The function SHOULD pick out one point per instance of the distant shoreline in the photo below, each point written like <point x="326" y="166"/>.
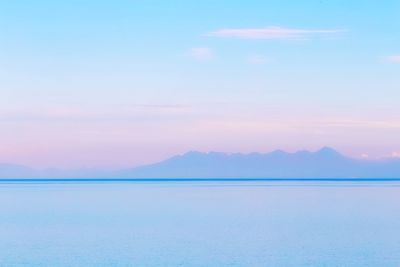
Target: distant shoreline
<point x="165" y="180"/>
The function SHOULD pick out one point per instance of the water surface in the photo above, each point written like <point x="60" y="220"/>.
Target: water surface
<point x="200" y="224"/>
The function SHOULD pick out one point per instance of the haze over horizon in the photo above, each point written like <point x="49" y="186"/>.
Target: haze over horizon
<point x="323" y="151"/>
<point x="108" y="84"/>
<point x="325" y="163"/>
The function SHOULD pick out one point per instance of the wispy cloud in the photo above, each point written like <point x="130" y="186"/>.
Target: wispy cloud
<point x="201" y="53"/>
<point x="133" y="112"/>
<point x="272" y="33"/>
<point x="162" y="106"/>
<point x="393" y="58"/>
<point x="395" y="154"/>
<point x="256" y="59"/>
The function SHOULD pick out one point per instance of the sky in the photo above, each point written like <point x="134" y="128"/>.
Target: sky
<point x="112" y="84"/>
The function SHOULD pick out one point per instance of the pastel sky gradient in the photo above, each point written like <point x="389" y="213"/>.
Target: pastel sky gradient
<point x="121" y="83"/>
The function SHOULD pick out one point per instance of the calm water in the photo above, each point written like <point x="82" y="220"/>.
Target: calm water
<point x="200" y="224"/>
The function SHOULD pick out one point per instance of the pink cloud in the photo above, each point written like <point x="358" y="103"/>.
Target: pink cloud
<point x="201" y="53"/>
<point x="137" y="111"/>
<point x="394" y="58"/>
<point x="271" y="33"/>
<point x="395" y="154"/>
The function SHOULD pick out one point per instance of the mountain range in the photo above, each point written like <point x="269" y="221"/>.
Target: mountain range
<point x="324" y="163"/>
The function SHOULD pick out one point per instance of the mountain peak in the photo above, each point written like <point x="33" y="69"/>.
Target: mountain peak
<point x="328" y="151"/>
<point x="278" y="152"/>
<point x="193" y="153"/>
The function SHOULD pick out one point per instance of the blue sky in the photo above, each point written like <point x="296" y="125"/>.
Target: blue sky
<point x="119" y="83"/>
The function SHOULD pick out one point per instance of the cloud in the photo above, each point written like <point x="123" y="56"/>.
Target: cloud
<point x="256" y="59"/>
<point x="138" y="111"/>
<point x="393" y="58"/>
<point x="395" y="154"/>
<point x="162" y="106"/>
<point x="271" y="33"/>
<point x="201" y="53"/>
<point x="358" y="123"/>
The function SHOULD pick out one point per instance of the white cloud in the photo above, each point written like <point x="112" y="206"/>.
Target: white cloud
<point x="271" y="33"/>
<point x="201" y="53"/>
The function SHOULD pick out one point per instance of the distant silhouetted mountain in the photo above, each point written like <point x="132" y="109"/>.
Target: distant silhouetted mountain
<point x="324" y="163"/>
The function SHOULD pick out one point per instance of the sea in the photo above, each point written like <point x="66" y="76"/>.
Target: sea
<point x="200" y="223"/>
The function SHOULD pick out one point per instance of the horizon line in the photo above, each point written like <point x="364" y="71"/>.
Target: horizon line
<point x="166" y="180"/>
